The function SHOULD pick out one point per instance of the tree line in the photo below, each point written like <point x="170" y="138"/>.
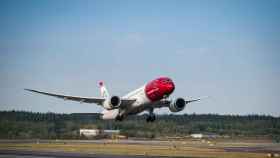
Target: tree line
<point x="29" y="125"/>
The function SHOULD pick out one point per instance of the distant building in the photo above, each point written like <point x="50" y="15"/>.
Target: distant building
<point x="97" y="132"/>
<point x="89" y="132"/>
<point x="111" y="132"/>
<point x="205" y="135"/>
<point x="197" y="136"/>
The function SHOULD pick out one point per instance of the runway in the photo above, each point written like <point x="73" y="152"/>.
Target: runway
<point x="44" y="154"/>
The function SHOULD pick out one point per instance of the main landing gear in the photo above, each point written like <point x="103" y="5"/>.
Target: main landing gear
<point x="119" y="118"/>
<point x="151" y="117"/>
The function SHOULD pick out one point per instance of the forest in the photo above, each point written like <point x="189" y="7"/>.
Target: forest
<point x="34" y="125"/>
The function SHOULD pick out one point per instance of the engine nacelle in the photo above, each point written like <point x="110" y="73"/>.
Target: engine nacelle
<point x="177" y="105"/>
<point x="113" y="102"/>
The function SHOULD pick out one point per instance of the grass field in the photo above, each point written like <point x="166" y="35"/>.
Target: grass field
<point x="189" y="148"/>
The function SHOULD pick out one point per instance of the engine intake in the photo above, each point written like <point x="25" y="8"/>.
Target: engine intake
<point x="113" y="102"/>
<point x="177" y="105"/>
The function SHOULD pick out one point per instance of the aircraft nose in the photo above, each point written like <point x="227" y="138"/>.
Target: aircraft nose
<point x="170" y="87"/>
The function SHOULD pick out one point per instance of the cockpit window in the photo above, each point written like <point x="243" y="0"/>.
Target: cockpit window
<point x="166" y="81"/>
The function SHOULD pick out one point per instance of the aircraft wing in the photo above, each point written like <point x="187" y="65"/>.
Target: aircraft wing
<point x="98" y="101"/>
<point x="167" y="102"/>
<point x="193" y="100"/>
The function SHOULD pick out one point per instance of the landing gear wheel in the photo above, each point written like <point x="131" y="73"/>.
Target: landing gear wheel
<point x="119" y="118"/>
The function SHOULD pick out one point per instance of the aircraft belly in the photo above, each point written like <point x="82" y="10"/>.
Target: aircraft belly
<point x="139" y="109"/>
<point x="140" y="104"/>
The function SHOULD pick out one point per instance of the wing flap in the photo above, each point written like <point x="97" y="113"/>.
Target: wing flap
<point x="99" y="101"/>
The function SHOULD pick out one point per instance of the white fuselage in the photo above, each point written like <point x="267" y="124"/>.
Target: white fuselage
<point x="141" y="100"/>
<point x="140" y="105"/>
<point x="144" y="97"/>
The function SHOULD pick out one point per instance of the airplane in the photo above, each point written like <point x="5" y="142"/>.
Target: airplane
<point x="154" y="94"/>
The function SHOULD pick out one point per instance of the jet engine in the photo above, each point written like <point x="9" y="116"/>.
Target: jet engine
<point x="113" y="102"/>
<point x="177" y="105"/>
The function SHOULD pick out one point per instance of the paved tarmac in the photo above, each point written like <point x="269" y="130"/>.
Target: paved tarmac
<point x="101" y="141"/>
<point x="43" y="154"/>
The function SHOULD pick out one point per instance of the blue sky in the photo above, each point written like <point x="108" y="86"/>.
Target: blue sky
<point x="227" y="50"/>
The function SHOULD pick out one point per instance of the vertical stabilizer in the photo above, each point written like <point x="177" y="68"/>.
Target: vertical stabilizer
<point x="103" y="90"/>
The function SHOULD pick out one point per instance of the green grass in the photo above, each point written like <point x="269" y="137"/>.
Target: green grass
<point x="174" y="149"/>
